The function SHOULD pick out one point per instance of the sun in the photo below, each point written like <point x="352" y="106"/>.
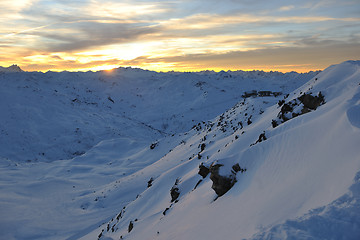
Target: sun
<point x="108" y="68"/>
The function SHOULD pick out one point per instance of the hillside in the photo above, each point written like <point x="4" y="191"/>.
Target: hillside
<point x="134" y="154"/>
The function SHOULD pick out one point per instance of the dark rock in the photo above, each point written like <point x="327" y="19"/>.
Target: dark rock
<point x="293" y="115"/>
<point x="111" y="100"/>
<point x="312" y="102"/>
<point x="131" y="226"/>
<point x="202" y="148"/>
<point x="236" y="167"/>
<point x="249" y="120"/>
<point x="100" y="235"/>
<point x="174" y="192"/>
<point x="262" y="137"/>
<point x="153" y="145"/>
<point x="150" y="182"/>
<point x="305" y="110"/>
<point x="203" y="171"/>
<point x="221" y="184"/>
<point x="286" y="108"/>
<point x="274" y="123"/>
<point x="164" y="212"/>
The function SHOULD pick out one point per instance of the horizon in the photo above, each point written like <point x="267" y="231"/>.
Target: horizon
<point x="169" y="71"/>
<point x="181" y="36"/>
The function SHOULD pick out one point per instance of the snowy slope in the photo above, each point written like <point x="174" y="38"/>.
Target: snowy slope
<point x="305" y="164"/>
<point x="123" y="141"/>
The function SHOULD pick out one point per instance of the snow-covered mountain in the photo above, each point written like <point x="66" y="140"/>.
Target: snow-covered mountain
<point x="133" y="154"/>
<point x="12" y="68"/>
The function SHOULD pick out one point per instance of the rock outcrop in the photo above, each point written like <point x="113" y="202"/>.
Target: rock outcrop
<point x="221" y="184"/>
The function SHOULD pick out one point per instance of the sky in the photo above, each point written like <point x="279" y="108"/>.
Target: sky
<point x="188" y="35"/>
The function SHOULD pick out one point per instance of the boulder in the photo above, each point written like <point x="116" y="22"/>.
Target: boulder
<point x="221" y="184"/>
<point x="203" y="171"/>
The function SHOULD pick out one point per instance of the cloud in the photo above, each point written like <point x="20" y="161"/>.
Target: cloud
<point x="69" y="65"/>
<point x="12" y="9"/>
<point x="174" y="33"/>
<point x="124" y="10"/>
<point x="76" y="36"/>
<point x="286" y="8"/>
<point x="279" y="58"/>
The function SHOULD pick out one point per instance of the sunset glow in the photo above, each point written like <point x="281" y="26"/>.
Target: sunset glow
<point x="58" y="35"/>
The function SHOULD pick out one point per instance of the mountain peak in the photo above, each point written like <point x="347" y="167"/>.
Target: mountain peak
<point x="12" y="68"/>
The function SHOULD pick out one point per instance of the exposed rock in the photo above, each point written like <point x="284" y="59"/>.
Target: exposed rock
<point x="305" y="110"/>
<point x="203" y="171"/>
<point x="164" y="212"/>
<point x="286" y="108"/>
<point x="236" y="167"/>
<point x="202" y="148"/>
<point x="150" y="182"/>
<point x="221" y="184"/>
<point x="111" y="100"/>
<point x="262" y="137"/>
<point x="312" y="102"/>
<point x="308" y="101"/>
<point x="100" y="235"/>
<point x="131" y="226"/>
<point x="153" y="145"/>
<point x="249" y="120"/>
<point x="175" y="192"/>
<point x="274" y="123"/>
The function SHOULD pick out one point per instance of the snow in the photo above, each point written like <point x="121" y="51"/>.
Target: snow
<point x="337" y="220"/>
<point x="12" y="68"/>
<point x="78" y="149"/>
